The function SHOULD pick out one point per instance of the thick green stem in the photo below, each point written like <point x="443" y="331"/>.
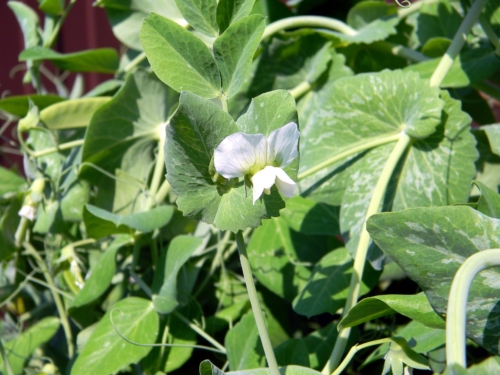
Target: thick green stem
<point x="354" y="350"/>
<point x="363" y="245"/>
<point x="257" y="311"/>
<point x="308" y="21"/>
<point x="457" y="43"/>
<point x="490" y="33"/>
<point x="64" y="146"/>
<point x="353" y="150"/>
<point x="162" y="191"/>
<point x="49" y="43"/>
<point x="136" y="61"/>
<point x="158" y="171"/>
<point x="57" y="299"/>
<point x="300" y="89"/>
<point x="457" y="303"/>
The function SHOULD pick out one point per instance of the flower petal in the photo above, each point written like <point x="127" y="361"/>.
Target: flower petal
<point x="284" y="183"/>
<point x="263" y="179"/>
<point x="240" y="154"/>
<point x="282" y="145"/>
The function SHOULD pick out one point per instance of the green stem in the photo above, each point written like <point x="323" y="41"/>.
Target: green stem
<point x="162" y="192"/>
<point x="457" y="43"/>
<point x="64" y="146"/>
<point x="57" y="299"/>
<point x="136" y="61"/>
<point x="354" y="350"/>
<point x="20" y="287"/>
<point x="490" y="33"/>
<point x="223" y="101"/>
<point x="5" y="358"/>
<point x="201" y="332"/>
<point x="300" y="89"/>
<point x="363" y="245"/>
<point x="353" y="150"/>
<point x="457" y="303"/>
<point x="158" y="171"/>
<point x="49" y="43"/>
<point x="308" y="21"/>
<point x="405" y="52"/>
<point x="257" y="311"/>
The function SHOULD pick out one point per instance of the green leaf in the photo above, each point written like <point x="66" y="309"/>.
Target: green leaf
<point x="320" y="345"/>
<point x="399" y="354"/>
<point x="10" y="182"/>
<point x="200" y="14"/>
<point x="328" y="285"/>
<point x="309" y="217"/>
<point x="127" y="16"/>
<point x="179" y="58"/>
<point x="292" y="352"/>
<point x="439" y="19"/>
<point x="282" y="259"/>
<point x="52" y="7"/>
<point x="372" y="32"/>
<point x="489" y="201"/>
<point x="105" y="352"/>
<point x="20" y="349"/>
<point x="192" y="136"/>
<point x="123" y="133"/>
<point x="8" y="226"/>
<point x="99" y="60"/>
<point x="493" y="134"/>
<point x="421" y="338"/>
<point x="366" y="12"/>
<point x="489" y="366"/>
<point x="471" y="66"/>
<point x="101" y="275"/>
<point x="207" y="368"/>
<point x="147" y="221"/>
<point x="74" y="113"/>
<point x="415" y="307"/>
<point x="436" y="47"/>
<point x="247" y="353"/>
<point x="165" y="279"/>
<point x="230" y="11"/>
<point x="19" y="105"/>
<point x="429" y="244"/>
<point x="28" y="21"/>
<point x="234" y="51"/>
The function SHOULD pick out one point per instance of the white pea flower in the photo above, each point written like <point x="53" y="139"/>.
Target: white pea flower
<point x="262" y="158"/>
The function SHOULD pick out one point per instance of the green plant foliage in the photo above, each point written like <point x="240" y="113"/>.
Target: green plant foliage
<point x="443" y="237"/>
<point x="105" y="352"/>
<point x="102" y="60"/>
<point x="201" y="15"/>
<point x="19" y="105"/>
<point x="71" y="113"/>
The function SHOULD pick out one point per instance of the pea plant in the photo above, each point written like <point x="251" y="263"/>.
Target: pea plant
<point x="258" y="190"/>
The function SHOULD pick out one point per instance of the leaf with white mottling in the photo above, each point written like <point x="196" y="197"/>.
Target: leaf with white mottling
<point x="430" y="244"/>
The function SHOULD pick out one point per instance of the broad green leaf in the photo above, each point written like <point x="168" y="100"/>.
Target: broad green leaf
<point x="123" y="133"/>
<point x="105" y="352"/>
<point x="366" y="12"/>
<point x="146" y="221"/>
<point x="234" y="51"/>
<point x="287" y="370"/>
<point x="181" y="248"/>
<point x="328" y="285"/>
<point x="244" y="353"/>
<point x="489" y="366"/>
<point x="492" y="13"/>
<point x="415" y="307"/>
<point x="100" y="60"/>
<point x="20" y="349"/>
<point x="28" y="21"/>
<point x="9" y="222"/>
<point x="230" y="11"/>
<point x="282" y="259"/>
<point x="73" y="200"/>
<point x="101" y="275"/>
<point x="10" y="182"/>
<point x="208" y="368"/>
<point x="52" y="7"/>
<point x="436" y="47"/>
<point x="201" y="15"/>
<point x="192" y="136"/>
<point x="292" y="352"/>
<point x="126" y="17"/>
<point x="471" y="66"/>
<point x="320" y="345"/>
<point x="369" y="33"/>
<point x="74" y="113"/>
<point x="421" y="338"/>
<point x="309" y="217"/>
<point x="223" y="318"/>
<point x="493" y="134"/>
<point x="179" y="58"/>
<point x="19" y="105"/>
<point x="489" y="201"/>
<point x="399" y="355"/>
<point x="437" y="19"/>
<point x="429" y="244"/>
